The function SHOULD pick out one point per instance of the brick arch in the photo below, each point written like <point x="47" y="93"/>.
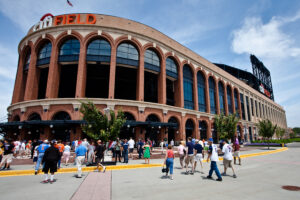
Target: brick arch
<point x="175" y="58"/>
<point x="41" y="41"/>
<point x="33" y="112"/>
<point x="27" y="48"/>
<point x="198" y="70"/>
<point x="57" y="111"/>
<point x="176" y="117"/>
<point x="185" y="62"/>
<point x="155" y="49"/>
<point x="158" y="116"/>
<point x="191" y="118"/>
<point x="94" y="35"/>
<point x="133" y="41"/>
<point x="65" y="36"/>
<point x="15" y="117"/>
<point x="134" y="114"/>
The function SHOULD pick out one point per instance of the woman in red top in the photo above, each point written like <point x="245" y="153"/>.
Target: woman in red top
<point x="169" y="161"/>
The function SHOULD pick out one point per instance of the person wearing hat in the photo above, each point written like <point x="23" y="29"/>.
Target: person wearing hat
<point x="198" y="152"/>
<point x="41" y="150"/>
<point x="214" y="158"/>
<point x="50" y="159"/>
<point x="80" y="152"/>
<point x="227" y="158"/>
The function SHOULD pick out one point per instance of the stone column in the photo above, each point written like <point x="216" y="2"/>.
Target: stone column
<point x="81" y="73"/>
<point x="195" y="91"/>
<point x="32" y="83"/>
<point x="162" y="85"/>
<point x="112" y="72"/>
<point x="53" y="75"/>
<point x="140" y="79"/>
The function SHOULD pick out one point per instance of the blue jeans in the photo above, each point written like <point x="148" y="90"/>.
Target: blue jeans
<point x="38" y="163"/>
<point x="169" y="164"/>
<point x="140" y="152"/>
<point x="214" y="167"/>
<point x="125" y="155"/>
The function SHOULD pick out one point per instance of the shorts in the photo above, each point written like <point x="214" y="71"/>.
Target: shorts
<point x="227" y="163"/>
<point x="7" y="159"/>
<point x="198" y="157"/>
<point x="99" y="159"/>
<point x="189" y="159"/>
<point x="181" y="157"/>
<point x="50" y="165"/>
<point x="131" y="150"/>
<point x="35" y="159"/>
<point x="236" y="154"/>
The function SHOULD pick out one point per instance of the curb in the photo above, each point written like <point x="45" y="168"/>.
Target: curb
<point x="119" y="167"/>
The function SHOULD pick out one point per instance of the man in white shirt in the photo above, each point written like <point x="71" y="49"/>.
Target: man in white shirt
<point x="172" y="143"/>
<point x="85" y="143"/>
<point x="214" y="158"/>
<point x="227" y="158"/>
<point x="131" y="147"/>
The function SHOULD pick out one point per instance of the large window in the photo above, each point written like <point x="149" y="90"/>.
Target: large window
<point x="256" y="109"/>
<point x="127" y="54"/>
<point x="152" y="61"/>
<point x="44" y="54"/>
<point x="188" y="87"/>
<point x="171" y="68"/>
<point x="212" y="95"/>
<point x="221" y="98"/>
<point x="242" y="105"/>
<point x="201" y="92"/>
<point x="252" y="109"/>
<point x="236" y="103"/>
<point x="69" y="51"/>
<point x="229" y="100"/>
<point x="99" y="50"/>
<point x="248" y="108"/>
<point x="260" y="111"/>
<point x="27" y="61"/>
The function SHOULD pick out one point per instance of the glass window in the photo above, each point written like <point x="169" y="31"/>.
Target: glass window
<point x="221" y="98"/>
<point x="256" y="109"/>
<point x="242" y="105"/>
<point x="248" y="108"/>
<point x="70" y="47"/>
<point x="212" y="94"/>
<point x="252" y="109"/>
<point x="201" y="92"/>
<point x="229" y="100"/>
<point x="99" y="47"/>
<point x="236" y="103"/>
<point x="171" y="68"/>
<point x="45" y="51"/>
<point x="127" y="51"/>
<point x="152" y="58"/>
<point x="27" y="60"/>
<point x="188" y="87"/>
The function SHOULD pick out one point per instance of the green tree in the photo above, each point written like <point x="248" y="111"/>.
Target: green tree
<point x="220" y="126"/>
<point x="226" y="125"/>
<point x="296" y="130"/>
<point x="100" y="126"/>
<point x="279" y="132"/>
<point x="266" y="129"/>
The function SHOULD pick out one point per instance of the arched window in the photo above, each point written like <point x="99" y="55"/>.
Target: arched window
<point x="242" y="105"/>
<point x="203" y="129"/>
<point x="171" y="68"/>
<point x="189" y="128"/>
<point x="229" y="100"/>
<point x="27" y="61"/>
<point x="127" y="54"/>
<point x="98" y="50"/>
<point x="201" y="92"/>
<point x="212" y="98"/>
<point x="129" y="116"/>
<point x="152" y="61"/>
<point x="62" y="115"/>
<point x="188" y="87"/>
<point x="34" y="116"/>
<point x="44" y="54"/>
<point x="152" y="118"/>
<point x="221" y="98"/>
<point x="69" y="50"/>
<point x="236" y="103"/>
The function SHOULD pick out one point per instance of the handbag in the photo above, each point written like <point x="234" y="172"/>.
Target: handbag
<point x="164" y="170"/>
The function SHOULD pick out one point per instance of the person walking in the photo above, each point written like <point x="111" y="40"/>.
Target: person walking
<point x="169" y="161"/>
<point x="131" y="144"/>
<point x="67" y="153"/>
<point x="50" y="160"/>
<point x="99" y="153"/>
<point x="7" y="154"/>
<point x="125" y="151"/>
<point x="199" y="154"/>
<point x="190" y="156"/>
<point x="118" y="150"/>
<point x="41" y="150"/>
<point x="236" y="152"/>
<point x="214" y="158"/>
<point x="35" y="153"/>
<point x="34" y="144"/>
<point x="91" y="153"/>
<point x="80" y="152"/>
<point x="161" y="144"/>
<point x="140" y="148"/>
<point x="60" y="148"/>
<point x="181" y="153"/>
<point x="147" y="152"/>
<point x="227" y="158"/>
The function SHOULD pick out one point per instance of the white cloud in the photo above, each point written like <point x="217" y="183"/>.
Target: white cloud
<point x="8" y="62"/>
<point x="265" y="40"/>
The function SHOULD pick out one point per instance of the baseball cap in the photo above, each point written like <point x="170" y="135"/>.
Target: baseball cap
<point x="210" y="139"/>
<point x="46" y="141"/>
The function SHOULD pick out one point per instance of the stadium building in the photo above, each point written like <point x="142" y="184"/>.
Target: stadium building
<point x="165" y="89"/>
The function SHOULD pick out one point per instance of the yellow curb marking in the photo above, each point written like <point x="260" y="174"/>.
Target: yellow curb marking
<point x="120" y="167"/>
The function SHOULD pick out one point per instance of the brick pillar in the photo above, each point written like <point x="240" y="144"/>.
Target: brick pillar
<point x="217" y="97"/>
<point x="232" y="100"/>
<point x="239" y="102"/>
<point x="54" y="74"/>
<point x="225" y="101"/>
<point x="32" y="79"/>
<point x="162" y="85"/>
<point x="207" y="96"/>
<point x="208" y="132"/>
<point x="18" y="88"/>
<point x="182" y="129"/>
<point x="197" y="136"/>
<point x="195" y="90"/>
<point x="81" y="73"/>
<point x="112" y="72"/>
<point x="180" y="97"/>
<point x="140" y="79"/>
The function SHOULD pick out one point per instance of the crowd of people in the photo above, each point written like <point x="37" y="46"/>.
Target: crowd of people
<point x="50" y="154"/>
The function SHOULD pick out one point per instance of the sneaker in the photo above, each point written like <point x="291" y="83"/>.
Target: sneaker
<point x="219" y="179"/>
<point x="192" y="173"/>
<point x="104" y="169"/>
<point x="234" y="176"/>
<point x="171" y="178"/>
<point x="78" y="176"/>
<point x="45" y="181"/>
<point x="223" y="174"/>
<point x="209" y="177"/>
<point x="51" y="181"/>
<point x="187" y="173"/>
<point x="35" y="173"/>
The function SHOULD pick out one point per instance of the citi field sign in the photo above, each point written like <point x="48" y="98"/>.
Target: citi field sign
<point x="48" y="20"/>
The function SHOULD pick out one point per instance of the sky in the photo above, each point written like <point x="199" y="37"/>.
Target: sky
<point x="222" y="31"/>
